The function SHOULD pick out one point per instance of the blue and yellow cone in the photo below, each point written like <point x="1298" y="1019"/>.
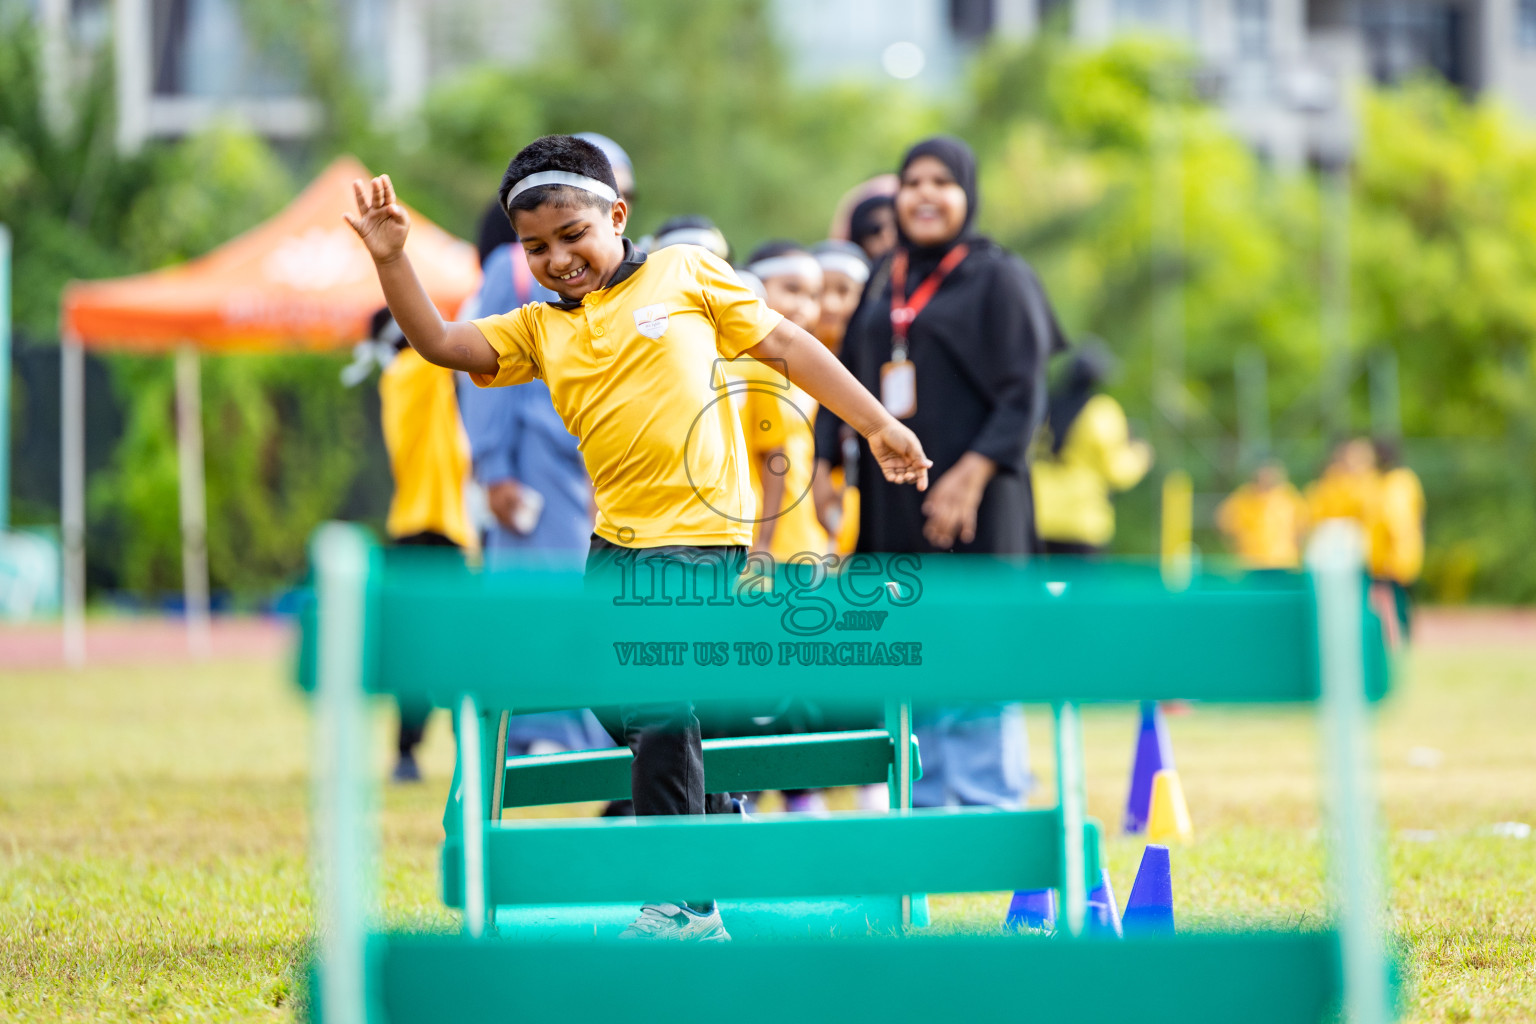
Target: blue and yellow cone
<point x="1154" y="753"/>
<point x="1149" y="908"/>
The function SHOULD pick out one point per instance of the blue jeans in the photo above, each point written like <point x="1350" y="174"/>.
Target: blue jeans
<point x="973" y="755"/>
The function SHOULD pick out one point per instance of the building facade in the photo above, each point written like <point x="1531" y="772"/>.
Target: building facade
<point x="1281" y="68"/>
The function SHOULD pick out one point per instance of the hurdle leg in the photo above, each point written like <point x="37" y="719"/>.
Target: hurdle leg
<point x="493" y="748"/>
<point x="472" y="815"/>
<point x="498" y="766"/>
<point x="898" y="722"/>
<point x="343" y="829"/>
<point x="1071" y="798"/>
<point x="1335" y="559"/>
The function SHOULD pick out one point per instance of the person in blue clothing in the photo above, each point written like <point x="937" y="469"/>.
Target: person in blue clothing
<point x="535" y="482"/>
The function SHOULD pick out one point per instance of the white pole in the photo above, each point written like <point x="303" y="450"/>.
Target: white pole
<point x="898" y="722"/>
<point x="343" y="827"/>
<point x="1335" y="559"/>
<point x="72" y="493"/>
<point x="53" y="20"/>
<point x="194" y="501"/>
<point x="131" y="57"/>
<point x="472" y="808"/>
<point x="1071" y="798"/>
<point x="408" y="59"/>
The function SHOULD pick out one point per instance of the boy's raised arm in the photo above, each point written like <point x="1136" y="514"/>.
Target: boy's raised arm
<point x="382" y="224"/>
<point x="818" y="372"/>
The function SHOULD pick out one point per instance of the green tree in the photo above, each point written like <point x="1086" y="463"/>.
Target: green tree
<point x="285" y="442"/>
<point x="1444" y="277"/>
<point x="700" y="97"/>
<point x="63" y="188"/>
<point x="1082" y="182"/>
<point x="1106" y="169"/>
<point x="1078" y="173"/>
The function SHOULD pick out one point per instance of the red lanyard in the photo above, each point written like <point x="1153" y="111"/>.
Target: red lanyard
<point x="905" y="310"/>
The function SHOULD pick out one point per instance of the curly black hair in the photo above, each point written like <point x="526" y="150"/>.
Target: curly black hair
<point x="557" y="153"/>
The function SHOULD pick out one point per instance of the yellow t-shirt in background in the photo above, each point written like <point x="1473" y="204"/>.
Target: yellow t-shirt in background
<point x="1342" y="494"/>
<point x="1396" y="531"/>
<point x="428" y="450"/>
<point x="1264" y="525"/>
<point x="776" y="414"/>
<point x="847" y="539"/>
<point x="633" y="375"/>
<point x="1072" y="490"/>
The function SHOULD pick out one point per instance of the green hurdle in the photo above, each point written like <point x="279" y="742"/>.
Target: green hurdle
<point x="737" y="765"/>
<point x="953" y="629"/>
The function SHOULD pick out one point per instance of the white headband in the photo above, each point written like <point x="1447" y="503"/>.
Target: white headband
<point x="790" y="263"/>
<point x="580" y="181"/>
<point x="712" y="240"/>
<point x="845" y="263"/>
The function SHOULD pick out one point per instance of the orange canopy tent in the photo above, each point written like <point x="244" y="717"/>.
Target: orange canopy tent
<point x="301" y="281"/>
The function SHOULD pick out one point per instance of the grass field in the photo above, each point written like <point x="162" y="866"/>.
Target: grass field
<point x="153" y="835"/>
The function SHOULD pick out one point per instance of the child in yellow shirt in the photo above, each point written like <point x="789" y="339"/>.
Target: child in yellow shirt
<point x="776" y="416"/>
<point x="1347" y="487"/>
<point x="845" y="274"/>
<point x="1395" y="531"/>
<point x="1264" y="520"/>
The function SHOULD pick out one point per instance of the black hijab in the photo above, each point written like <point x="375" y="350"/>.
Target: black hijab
<point x="979" y="350"/>
<point x="862" y="221"/>
<point x="956" y="156"/>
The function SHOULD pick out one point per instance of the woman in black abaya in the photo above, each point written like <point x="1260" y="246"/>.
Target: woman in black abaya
<point x="975" y="355"/>
<point x="977" y="352"/>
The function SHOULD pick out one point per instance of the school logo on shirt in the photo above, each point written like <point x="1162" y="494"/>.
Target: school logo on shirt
<point x="651" y="321"/>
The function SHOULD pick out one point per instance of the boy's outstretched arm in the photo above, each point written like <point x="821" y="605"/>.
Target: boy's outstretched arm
<point x="382" y="224"/>
<point x="819" y="373"/>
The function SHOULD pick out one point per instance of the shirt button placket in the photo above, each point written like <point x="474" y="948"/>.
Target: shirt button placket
<point x="595" y="325"/>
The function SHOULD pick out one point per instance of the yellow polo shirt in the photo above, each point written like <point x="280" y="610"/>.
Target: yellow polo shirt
<point x="632" y="372"/>
<point x="1396" y="531"/>
<point x="1072" y="490"/>
<point x="428" y="450"/>
<point x="1342" y="494"/>
<point x="1265" y="525"/>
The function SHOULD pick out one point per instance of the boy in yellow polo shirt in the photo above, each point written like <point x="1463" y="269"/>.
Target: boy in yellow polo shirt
<point x="629" y="355"/>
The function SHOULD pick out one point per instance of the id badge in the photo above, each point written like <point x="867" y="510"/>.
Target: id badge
<point x="898" y="388"/>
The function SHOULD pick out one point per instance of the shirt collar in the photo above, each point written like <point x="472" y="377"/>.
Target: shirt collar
<point x="633" y="257"/>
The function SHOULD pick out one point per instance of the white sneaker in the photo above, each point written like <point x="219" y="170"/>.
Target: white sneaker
<point x="677" y="921"/>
